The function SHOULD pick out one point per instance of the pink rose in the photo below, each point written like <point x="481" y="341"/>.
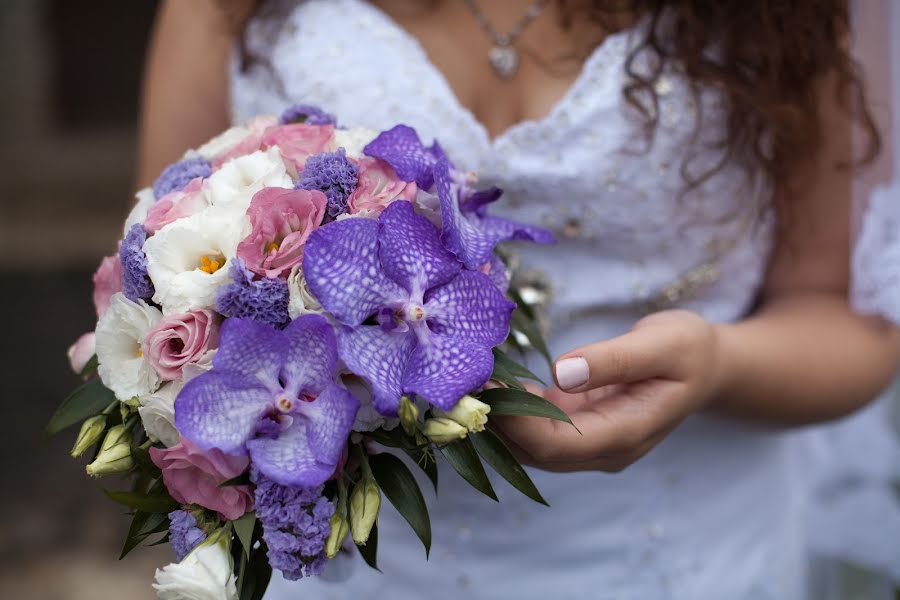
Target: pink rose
<point x="81" y="351"/>
<point x="378" y="186"/>
<point x="282" y="220"/>
<point x="176" y="205"/>
<point x="177" y="340"/>
<point x="251" y="143"/>
<point x="192" y="476"/>
<point x="298" y="141"/>
<point x="107" y="281"/>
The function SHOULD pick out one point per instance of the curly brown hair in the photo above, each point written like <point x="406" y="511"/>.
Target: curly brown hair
<point x="768" y="58"/>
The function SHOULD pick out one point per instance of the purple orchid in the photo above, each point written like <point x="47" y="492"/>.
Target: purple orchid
<point x="271" y="394"/>
<point x="401" y="148"/>
<point x="415" y="321"/>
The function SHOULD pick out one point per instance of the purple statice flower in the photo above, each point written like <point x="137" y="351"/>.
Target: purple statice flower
<point x="136" y="282"/>
<point x="306" y="113"/>
<point x="271" y="394"/>
<point x="467" y="230"/>
<point x="184" y="535"/>
<point x="434" y="322"/>
<point x="295" y="526"/>
<point x="264" y="299"/>
<point x="177" y="175"/>
<point x="401" y="148"/>
<point x="333" y="174"/>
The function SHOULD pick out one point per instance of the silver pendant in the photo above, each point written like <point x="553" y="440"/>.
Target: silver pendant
<point x="504" y="60"/>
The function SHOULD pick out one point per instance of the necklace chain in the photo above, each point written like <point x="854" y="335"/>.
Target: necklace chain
<point x="505" y="39"/>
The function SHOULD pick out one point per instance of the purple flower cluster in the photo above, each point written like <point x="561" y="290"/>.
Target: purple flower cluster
<point x="264" y="300"/>
<point x="306" y="113"/>
<point x="177" y="175"/>
<point x="333" y="174"/>
<point x="295" y="526"/>
<point x="136" y="283"/>
<point x="184" y="535"/>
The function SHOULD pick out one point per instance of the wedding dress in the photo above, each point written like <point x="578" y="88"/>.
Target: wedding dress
<point x="719" y="510"/>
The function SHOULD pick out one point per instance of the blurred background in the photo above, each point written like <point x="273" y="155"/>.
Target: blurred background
<point x="71" y="81"/>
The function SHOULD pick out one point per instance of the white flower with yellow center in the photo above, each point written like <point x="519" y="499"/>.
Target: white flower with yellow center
<point x="120" y="356"/>
<point x="189" y="259"/>
<point x="353" y="140"/>
<point x="233" y="185"/>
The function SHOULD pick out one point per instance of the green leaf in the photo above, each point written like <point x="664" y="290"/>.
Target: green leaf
<point x="503" y="375"/>
<point x="151" y="503"/>
<point x="462" y="457"/>
<point x="87" y="401"/>
<point x="156" y="523"/>
<point x="400" y="487"/>
<point x="90" y="367"/>
<point x="256" y="576"/>
<point x="523" y="324"/>
<point x="369" y="550"/>
<point x="133" y="538"/>
<point x="507" y="402"/>
<point x="495" y="453"/>
<point x="424" y="458"/>
<point x="243" y="529"/>
<point x="513" y="367"/>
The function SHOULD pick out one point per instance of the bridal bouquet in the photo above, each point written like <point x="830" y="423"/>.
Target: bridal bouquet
<point x="294" y="305"/>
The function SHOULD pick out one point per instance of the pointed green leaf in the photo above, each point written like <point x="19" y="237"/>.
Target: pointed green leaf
<point x="87" y="401"/>
<point x="514" y="368"/>
<point x="501" y="374"/>
<point x="462" y="457"/>
<point x="90" y="367"/>
<point x="259" y="570"/>
<point x="369" y="550"/>
<point x="517" y="403"/>
<point x="243" y="528"/>
<point x="424" y="458"/>
<point x="529" y="328"/>
<point x="495" y="453"/>
<point x="163" y="540"/>
<point x="400" y="487"/>
<point x="156" y="523"/>
<point x="133" y="538"/>
<point x="151" y="503"/>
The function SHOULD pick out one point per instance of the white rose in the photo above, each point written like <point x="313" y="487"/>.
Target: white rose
<point x="138" y="214"/>
<point x="353" y="140"/>
<point x="234" y="184"/>
<point x="300" y="299"/>
<point x="207" y="573"/>
<point x="189" y="259"/>
<point x="157" y="412"/>
<point x="119" y="338"/>
<point x="220" y="144"/>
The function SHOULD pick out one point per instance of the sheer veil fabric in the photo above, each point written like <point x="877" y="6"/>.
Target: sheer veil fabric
<point x="721" y="509"/>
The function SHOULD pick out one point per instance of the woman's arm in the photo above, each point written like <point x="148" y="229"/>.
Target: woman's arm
<point x="184" y="101"/>
<point x="803" y="357"/>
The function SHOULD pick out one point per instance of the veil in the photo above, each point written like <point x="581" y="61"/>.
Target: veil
<point x="852" y="466"/>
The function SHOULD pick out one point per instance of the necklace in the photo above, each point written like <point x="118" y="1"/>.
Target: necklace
<point x="503" y="57"/>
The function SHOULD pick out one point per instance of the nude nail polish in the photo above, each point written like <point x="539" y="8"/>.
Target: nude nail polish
<point x="572" y="372"/>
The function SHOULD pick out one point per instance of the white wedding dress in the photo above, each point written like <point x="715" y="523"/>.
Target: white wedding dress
<point x="721" y="509"/>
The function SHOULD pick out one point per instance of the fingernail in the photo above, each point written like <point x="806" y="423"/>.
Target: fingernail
<point x="572" y="372"/>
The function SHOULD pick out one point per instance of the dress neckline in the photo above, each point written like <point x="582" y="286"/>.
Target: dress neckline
<point x="600" y="55"/>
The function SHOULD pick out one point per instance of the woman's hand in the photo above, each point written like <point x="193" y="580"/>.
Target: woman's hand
<point x="624" y="395"/>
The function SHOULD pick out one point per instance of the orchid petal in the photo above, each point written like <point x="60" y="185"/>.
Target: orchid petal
<point x="307" y="452"/>
<point x="401" y="148"/>
<point x="250" y="349"/>
<point x="446" y="368"/>
<point x="220" y="410"/>
<point x="411" y="250"/>
<point x="470" y="308"/>
<point x="341" y="266"/>
<point x="311" y="355"/>
<point x="380" y="357"/>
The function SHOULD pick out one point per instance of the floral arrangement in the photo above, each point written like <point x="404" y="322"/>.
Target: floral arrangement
<point x="292" y="306"/>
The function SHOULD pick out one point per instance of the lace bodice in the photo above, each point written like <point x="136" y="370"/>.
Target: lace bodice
<point x="713" y="511"/>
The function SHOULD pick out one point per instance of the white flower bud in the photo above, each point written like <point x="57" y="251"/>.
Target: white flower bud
<point x="469" y="412"/>
<point x="339" y="530"/>
<point x="409" y="416"/>
<point x="442" y="430"/>
<point x="115" y="453"/>
<point x="90" y="433"/>
<point x="207" y="573"/>
<point x="364" y="506"/>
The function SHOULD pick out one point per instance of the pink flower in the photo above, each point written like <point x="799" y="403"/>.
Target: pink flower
<point x="107" y="281"/>
<point x="192" y="476"/>
<point x="298" y="141"/>
<point x="378" y="186"/>
<point x="81" y="351"/>
<point x="177" y="340"/>
<point x="282" y="220"/>
<point x="176" y="205"/>
<point x="251" y="143"/>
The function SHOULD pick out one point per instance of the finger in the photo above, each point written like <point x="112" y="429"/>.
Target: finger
<point x="638" y="355"/>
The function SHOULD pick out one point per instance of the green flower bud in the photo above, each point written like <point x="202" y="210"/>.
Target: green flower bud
<point x="364" y="506"/>
<point x="90" y="433"/>
<point x="115" y="453"/>
<point x="442" y="430"/>
<point x="338" y="533"/>
<point x="469" y="412"/>
<point x="409" y="416"/>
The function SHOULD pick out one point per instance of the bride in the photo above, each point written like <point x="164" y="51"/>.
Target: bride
<point x="694" y="160"/>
